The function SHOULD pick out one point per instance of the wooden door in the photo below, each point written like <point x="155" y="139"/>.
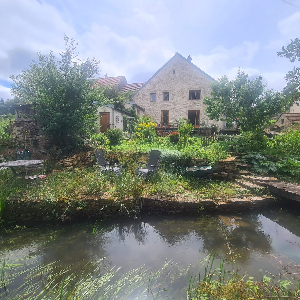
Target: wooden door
<point x="104" y="121"/>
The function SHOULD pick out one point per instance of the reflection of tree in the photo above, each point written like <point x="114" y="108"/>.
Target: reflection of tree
<point x="137" y="228"/>
<point x="220" y="234"/>
<point x="77" y="250"/>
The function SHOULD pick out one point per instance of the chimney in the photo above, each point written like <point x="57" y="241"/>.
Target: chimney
<point x="106" y="75"/>
<point x="189" y="59"/>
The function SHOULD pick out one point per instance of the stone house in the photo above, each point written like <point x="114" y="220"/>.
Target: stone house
<point x="295" y="108"/>
<point x="176" y="90"/>
<point x="286" y="120"/>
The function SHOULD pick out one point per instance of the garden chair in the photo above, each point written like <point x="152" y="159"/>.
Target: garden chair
<point x="151" y="166"/>
<point x="104" y="166"/>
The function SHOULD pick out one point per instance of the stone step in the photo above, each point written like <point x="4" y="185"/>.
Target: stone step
<point x="281" y="188"/>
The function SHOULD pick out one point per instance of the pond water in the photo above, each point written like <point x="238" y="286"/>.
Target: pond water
<point x="150" y="258"/>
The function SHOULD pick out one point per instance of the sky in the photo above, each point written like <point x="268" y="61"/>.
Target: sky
<point x="134" y="38"/>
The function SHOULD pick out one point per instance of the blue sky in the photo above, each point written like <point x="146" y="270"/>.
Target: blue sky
<point x="135" y="38"/>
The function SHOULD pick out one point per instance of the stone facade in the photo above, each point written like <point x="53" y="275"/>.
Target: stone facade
<point x="175" y="81"/>
<point x="286" y="120"/>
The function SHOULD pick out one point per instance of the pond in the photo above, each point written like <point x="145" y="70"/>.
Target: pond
<point x="155" y="257"/>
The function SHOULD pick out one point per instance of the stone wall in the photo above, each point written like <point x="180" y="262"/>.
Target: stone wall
<point x="177" y="77"/>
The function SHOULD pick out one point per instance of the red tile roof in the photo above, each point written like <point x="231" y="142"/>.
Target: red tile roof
<point x="292" y="117"/>
<point x="131" y="87"/>
<point x="120" y="82"/>
<point x="110" y="81"/>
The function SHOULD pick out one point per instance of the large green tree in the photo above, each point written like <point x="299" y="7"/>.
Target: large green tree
<point x="63" y="94"/>
<point x="292" y="52"/>
<point x="244" y="101"/>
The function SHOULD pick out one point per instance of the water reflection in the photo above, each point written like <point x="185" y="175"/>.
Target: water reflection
<point x="249" y="240"/>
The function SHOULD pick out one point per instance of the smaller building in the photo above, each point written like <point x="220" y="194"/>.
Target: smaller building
<point x="287" y="120"/>
<point x="112" y="117"/>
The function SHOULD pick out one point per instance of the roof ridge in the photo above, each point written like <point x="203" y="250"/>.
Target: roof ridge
<point x="176" y="54"/>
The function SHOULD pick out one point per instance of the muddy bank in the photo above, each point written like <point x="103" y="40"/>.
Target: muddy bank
<point x="47" y="211"/>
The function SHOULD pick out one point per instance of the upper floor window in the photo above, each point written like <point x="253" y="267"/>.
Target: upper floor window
<point x="153" y="97"/>
<point x="194" y="95"/>
<point x="166" y="96"/>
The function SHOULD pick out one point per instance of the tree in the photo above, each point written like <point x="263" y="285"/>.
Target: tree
<point x="292" y="52"/>
<point x="63" y="94"/>
<point x="243" y="101"/>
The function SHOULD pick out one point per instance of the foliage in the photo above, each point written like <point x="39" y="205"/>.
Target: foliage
<point x="287" y="144"/>
<point x="128" y="186"/>
<point x="115" y="136"/>
<point x="260" y="163"/>
<point x="213" y="152"/>
<point x="185" y="128"/>
<point x="5" y="134"/>
<point x="64" y="96"/>
<point x="249" y="142"/>
<point x="99" y="139"/>
<point x="237" y="287"/>
<point x="174" y="137"/>
<point x="174" y="160"/>
<point x="7" y="107"/>
<point x="146" y="129"/>
<point x="243" y="101"/>
<point x="292" y="52"/>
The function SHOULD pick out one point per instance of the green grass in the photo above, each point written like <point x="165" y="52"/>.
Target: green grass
<point x="95" y="280"/>
<point x="80" y="184"/>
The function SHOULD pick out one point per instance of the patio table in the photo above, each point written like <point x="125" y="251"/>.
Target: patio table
<point x="27" y="164"/>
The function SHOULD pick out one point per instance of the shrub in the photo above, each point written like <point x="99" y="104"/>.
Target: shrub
<point x="250" y="141"/>
<point x="146" y="130"/>
<point x="99" y="139"/>
<point x="174" y="137"/>
<point x="185" y="128"/>
<point x="174" y="160"/>
<point x="115" y="136"/>
<point x="5" y="136"/>
<point x="285" y="144"/>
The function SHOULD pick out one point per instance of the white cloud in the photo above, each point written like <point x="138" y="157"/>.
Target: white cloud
<point x="5" y="93"/>
<point x="125" y="55"/>
<point x="290" y="27"/>
<point x="221" y="59"/>
<point x="26" y="27"/>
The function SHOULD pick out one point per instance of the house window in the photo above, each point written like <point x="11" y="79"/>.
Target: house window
<point x="194" y="117"/>
<point x="165" y="117"/>
<point x="194" y="95"/>
<point x="153" y="97"/>
<point x="166" y="96"/>
<point x="282" y="121"/>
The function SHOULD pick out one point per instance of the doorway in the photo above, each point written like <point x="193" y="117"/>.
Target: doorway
<point x="194" y="117"/>
<point x="104" y="121"/>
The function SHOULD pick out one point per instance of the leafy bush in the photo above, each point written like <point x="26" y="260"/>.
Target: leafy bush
<point x="185" y="128"/>
<point x="260" y="163"/>
<point x="99" y="139"/>
<point x="5" y="134"/>
<point x="250" y="141"/>
<point x="174" y="137"/>
<point x="146" y="130"/>
<point x="285" y="144"/>
<point x="214" y="152"/>
<point x="174" y="160"/>
<point x="115" y="136"/>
